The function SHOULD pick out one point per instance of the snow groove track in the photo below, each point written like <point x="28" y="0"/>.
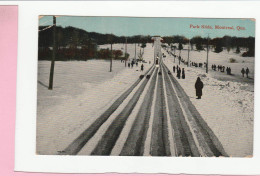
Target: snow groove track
<point x="184" y="142"/>
<point x="135" y="142"/>
<point x="159" y="142"/>
<point x="84" y="137"/>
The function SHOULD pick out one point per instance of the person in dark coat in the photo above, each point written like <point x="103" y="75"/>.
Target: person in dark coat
<point x="183" y="74"/>
<point x="243" y="72"/>
<point x="199" y="86"/>
<point x="173" y="69"/>
<point x="129" y="64"/>
<point x="247" y="71"/>
<point x="157" y="61"/>
<point x="142" y="67"/>
<point x="132" y="63"/>
<point x="179" y="73"/>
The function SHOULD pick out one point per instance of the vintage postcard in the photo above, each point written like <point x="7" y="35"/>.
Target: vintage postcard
<point x="145" y="86"/>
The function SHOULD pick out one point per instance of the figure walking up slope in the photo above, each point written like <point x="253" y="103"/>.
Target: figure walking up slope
<point x="199" y="87"/>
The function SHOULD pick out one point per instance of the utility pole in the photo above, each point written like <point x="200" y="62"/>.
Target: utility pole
<point x="207" y="63"/>
<point x="174" y="54"/>
<point x="154" y="50"/>
<point x="53" y="54"/>
<point x="135" y="51"/>
<point x="188" y="54"/>
<point x="111" y="54"/>
<point x="125" y="50"/>
<point x="179" y="57"/>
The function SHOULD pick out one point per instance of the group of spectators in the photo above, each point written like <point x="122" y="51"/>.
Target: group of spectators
<point x="221" y="68"/>
<point x="132" y="63"/>
<point x="196" y="64"/>
<point x="180" y="72"/>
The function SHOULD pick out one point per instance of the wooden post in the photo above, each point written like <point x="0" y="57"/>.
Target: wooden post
<point x="188" y="53"/>
<point x="135" y="51"/>
<point x="180" y="57"/>
<point x="111" y="57"/>
<point x="53" y="55"/>
<point x="207" y="63"/>
<point x="125" y="50"/>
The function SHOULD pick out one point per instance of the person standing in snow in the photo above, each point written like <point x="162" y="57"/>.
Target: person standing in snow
<point x="173" y="69"/>
<point x="157" y="61"/>
<point x="179" y="73"/>
<point x="142" y="67"/>
<point x="199" y="86"/>
<point x="247" y="71"/>
<point x="243" y="72"/>
<point x="129" y="64"/>
<point x="183" y="74"/>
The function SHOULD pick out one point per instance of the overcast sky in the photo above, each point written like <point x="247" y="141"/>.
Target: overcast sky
<point x="129" y="26"/>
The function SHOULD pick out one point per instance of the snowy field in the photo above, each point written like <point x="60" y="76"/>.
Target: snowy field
<point x="83" y="90"/>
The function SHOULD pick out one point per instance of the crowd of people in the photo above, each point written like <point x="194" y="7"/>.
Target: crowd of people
<point x="180" y="72"/>
<point x="196" y="64"/>
<point x="221" y="68"/>
<point x="132" y="63"/>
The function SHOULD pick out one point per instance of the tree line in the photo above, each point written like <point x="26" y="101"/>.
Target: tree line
<point x="218" y="44"/>
<point x="78" y="44"/>
<point x="74" y="36"/>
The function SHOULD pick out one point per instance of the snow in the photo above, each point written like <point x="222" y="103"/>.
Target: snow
<point x="85" y="89"/>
